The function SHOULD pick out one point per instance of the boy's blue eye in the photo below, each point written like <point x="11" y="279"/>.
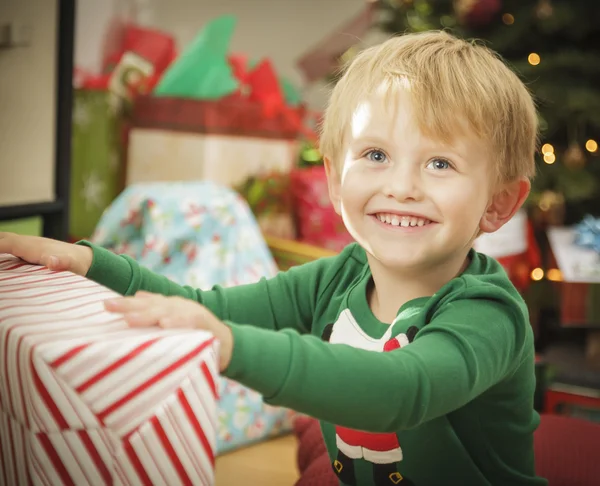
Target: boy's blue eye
<point x="439" y="164"/>
<point x="376" y="156"/>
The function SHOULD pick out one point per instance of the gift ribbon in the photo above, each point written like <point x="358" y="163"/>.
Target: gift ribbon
<point x="587" y="233"/>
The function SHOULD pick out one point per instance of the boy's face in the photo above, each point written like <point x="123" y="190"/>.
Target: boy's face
<point x="412" y="202"/>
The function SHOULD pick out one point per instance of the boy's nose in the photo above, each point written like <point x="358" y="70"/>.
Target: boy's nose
<point x="404" y="183"/>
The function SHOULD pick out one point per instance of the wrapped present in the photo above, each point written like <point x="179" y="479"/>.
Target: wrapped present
<point x="135" y="64"/>
<point x="213" y="117"/>
<point x="587" y="234"/>
<point x="578" y="276"/>
<point x="317" y="222"/>
<point x="270" y="200"/>
<point x="86" y="400"/>
<point x="199" y="234"/>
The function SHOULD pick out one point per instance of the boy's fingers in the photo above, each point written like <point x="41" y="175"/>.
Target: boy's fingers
<point x="150" y="316"/>
<point x="181" y="321"/>
<point x="57" y="263"/>
<point x="126" y="304"/>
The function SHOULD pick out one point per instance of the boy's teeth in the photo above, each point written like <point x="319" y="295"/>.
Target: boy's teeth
<point x="403" y="221"/>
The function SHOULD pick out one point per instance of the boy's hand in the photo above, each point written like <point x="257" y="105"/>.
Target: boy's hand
<point x="147" y="309"/>
<point x="56" y="255"/>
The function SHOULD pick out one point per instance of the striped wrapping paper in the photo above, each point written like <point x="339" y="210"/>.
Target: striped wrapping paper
<point x="86" y="400"/>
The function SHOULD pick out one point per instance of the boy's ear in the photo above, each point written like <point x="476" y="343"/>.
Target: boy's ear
<point x="504" y="204"/>
<point x="334" y="184"/>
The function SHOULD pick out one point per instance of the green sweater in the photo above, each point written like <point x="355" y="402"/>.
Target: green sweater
<point x="445" y="392"/>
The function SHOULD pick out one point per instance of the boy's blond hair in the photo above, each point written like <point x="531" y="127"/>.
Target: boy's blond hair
<point x="450" y="79"/>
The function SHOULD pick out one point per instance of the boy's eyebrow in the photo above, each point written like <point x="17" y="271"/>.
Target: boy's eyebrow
<point x="368" y="138"/>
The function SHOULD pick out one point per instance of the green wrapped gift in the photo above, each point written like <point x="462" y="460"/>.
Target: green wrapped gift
<point x="96" y="177"/>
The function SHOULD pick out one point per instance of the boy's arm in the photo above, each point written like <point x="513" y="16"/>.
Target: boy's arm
<point x="461" y="354"/>
<point x="284" y="301"/>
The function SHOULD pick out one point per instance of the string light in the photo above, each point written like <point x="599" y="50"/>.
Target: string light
<point x="534" y="59"/>
<point x="537" y="274"/>
<point x="508" y="19"/>
<point x="554" y="275"/>
<point x="549" y="158"/>
<point x="591" y="145"/>
<point x="547" y="149"/>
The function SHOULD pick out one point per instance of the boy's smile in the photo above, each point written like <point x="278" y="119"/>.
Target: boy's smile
<point x="413" y="202"/>
<point x="403" y="221"/>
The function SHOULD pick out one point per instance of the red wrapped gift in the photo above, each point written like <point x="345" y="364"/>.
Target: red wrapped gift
<point x="317" y="221"/>
<point x="85" y="399"/>
<point x="226" y="140"/>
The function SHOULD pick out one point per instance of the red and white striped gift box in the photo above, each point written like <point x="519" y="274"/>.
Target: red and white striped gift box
<point x="84" y="399"/>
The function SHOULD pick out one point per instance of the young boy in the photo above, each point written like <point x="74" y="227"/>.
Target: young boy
<point x="413" y="350"/>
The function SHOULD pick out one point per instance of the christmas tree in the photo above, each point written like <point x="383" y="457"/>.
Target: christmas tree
<point x="552" y="45"/>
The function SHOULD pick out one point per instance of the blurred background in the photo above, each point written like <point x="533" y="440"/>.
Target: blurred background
<point x="106" y="106"/>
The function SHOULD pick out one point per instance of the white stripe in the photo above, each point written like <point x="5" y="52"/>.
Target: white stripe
<point x="12" y="280"/>
<point x="159" y="454"/>
<point x="200" y="457"/>
<point x="148" y="461"/>
<point x="42" y="281"/>
<point x="82" y="417"/>
<point x="142" y="407"/>
<point x="127" y="469"/>
<point x="7" y="462"/>
<point x="99" y="357"/>
<point x="70" y="314"/>
<point x="154" y="359"/>
<point x="198" y="394"/>
<point x="36" y="292"/>
<point x="44" y="461"/>
<point x="102" y="445"/>
<point x="19" y="438"/>
<point x="39" y="302"/>
<point x="79" y="452"/>
<point x="67" y="458"/>
<point x="65" y="407"/>
<point x="180" y="443"/>
<point x="38" y="477"/>
<point x="135" y="412"/>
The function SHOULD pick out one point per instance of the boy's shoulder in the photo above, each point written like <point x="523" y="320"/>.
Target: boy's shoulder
<point x="483" y="288"/>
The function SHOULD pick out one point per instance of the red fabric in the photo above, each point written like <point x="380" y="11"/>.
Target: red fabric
<point x="153" y="45"/>
<point x="157" y="47"/>
<point x="566" y="452"/>
<point x="313" y="461"/>
<point x="264" y="88"/>
<point x="238" y="63"/>
<point x="368" y="440"/>
<point x="391" y="345"/>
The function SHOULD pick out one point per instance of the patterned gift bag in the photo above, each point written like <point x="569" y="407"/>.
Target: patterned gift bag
<point x="96" y="176"/>
<point x="199" y="234"/>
